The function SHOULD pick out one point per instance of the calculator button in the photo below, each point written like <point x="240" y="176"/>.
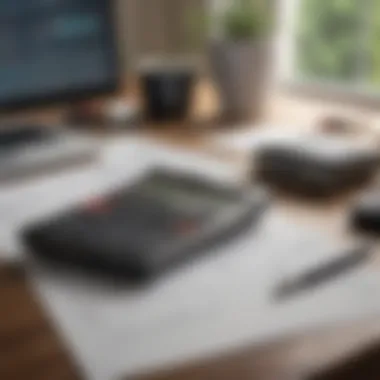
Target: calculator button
<point x="97" y="205"/>
<point x="186" y="227"/>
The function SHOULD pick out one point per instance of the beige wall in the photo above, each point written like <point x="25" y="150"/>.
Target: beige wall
<point x="153" y="27"/>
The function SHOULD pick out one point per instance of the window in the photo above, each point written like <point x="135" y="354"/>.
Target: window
<point x="334" y="42"/>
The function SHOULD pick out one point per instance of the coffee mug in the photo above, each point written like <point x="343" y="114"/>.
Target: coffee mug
<point x="167" y="90"/>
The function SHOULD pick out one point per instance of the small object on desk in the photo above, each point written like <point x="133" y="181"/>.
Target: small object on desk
<point x="323" y="273"/>
<point x="122" y="114"/>
<point x="114" y="113"/>
<point x="340" y="125"/>
<point x="167" y="89"/>
<point x="316" y="166"/>
<point x="365" y="215"/>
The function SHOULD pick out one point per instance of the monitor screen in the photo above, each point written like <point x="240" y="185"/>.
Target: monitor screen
<point x="55" y="50"/>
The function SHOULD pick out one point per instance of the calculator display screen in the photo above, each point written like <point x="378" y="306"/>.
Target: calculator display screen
<point x="175" y="191"/>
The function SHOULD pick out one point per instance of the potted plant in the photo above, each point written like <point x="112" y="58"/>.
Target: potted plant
<point x="239" y="58"/>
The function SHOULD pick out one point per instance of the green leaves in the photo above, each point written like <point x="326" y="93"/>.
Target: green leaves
<point x="375" y="45"/>
<point x="329" y="39"/>
<point x="245" y="19"/>
<point x="241" y="20"/>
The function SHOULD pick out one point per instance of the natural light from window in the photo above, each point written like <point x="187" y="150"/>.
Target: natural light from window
<point x="334" y="42"/>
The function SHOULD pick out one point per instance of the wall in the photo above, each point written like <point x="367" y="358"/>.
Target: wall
<point x="153" y="27"/>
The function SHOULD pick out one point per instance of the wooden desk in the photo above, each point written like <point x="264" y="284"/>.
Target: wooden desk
<point x="31" y="350"/>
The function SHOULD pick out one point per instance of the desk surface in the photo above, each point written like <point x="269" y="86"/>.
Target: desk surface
<point x="23" y="327"/>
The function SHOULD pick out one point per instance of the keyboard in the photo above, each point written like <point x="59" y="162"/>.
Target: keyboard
<point x="18" y="138"/>
<point x="29" y="150"/>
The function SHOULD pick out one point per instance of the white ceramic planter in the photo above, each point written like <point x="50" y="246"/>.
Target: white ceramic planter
<point x="241" y="71"/>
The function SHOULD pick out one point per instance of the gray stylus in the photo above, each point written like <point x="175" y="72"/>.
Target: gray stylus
<point x="323" y="273"/>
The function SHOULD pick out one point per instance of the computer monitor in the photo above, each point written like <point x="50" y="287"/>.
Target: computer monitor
<point x="56" y="51"/>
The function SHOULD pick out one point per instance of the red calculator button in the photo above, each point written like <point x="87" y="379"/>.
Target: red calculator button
<point x="97" y="205"/>
<point x="186" y="227"/>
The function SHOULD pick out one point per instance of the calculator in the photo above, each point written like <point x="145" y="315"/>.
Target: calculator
<point x="143" y="229"/>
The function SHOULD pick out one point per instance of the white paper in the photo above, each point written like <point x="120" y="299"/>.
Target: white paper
<point x="220" y="302"/>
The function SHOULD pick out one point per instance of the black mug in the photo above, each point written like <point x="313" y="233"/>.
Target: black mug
<point x="167" y="91"/>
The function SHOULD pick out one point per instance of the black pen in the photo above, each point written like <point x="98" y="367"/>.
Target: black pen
<point x="323" y="273"/>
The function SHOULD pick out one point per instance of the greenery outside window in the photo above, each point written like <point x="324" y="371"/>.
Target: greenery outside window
<point x="333" y="44"/>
